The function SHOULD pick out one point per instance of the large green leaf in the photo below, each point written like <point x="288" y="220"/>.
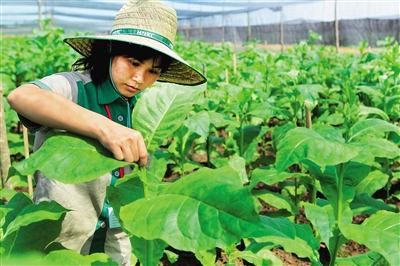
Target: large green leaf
<point x="199" y="123"/>
<point x="82" y="159"/>
<point x="264" y="110"/>
<point x="34" y="228"/>
<point x="380" y="233"/>
<point x="372" y="125"/>
<point x="295" y="238"/>
<point x="72" y="258"/>
<point x="248" y="144"/>
<point x="14" y="207"/>
<point x="380" y="147"/>
<point x="374" y="181"/>
<point x="277" y="200"/>
<point x="149" y="252"/>
<point x="365" y="204"/>
<point x="300" y="144"/>
<point x="161" y="110"/>
<point x="279" y="133"/>
<point x="366" y="110"/>
<point x="204" y="210"/>
<point x="239" y="165"/>
<point x="329" y="132"/>
<point x="159" y="162"/>
<point x="324" y="222"/>
<point x="338" y="183"/>
<point x="220" y="120"/>
<point x="310" y="93"/>
<point x="369" y="259"/>
<point x="267" y="176"/>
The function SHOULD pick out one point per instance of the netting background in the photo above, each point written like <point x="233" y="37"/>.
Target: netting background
<point x="352" y="32"/>
<point x="225" y="21"/>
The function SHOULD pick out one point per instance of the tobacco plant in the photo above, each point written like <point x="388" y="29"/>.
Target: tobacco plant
<point x="346" y="157"/>
<point x="155" y="214"/>
<point x="340" y="163"/>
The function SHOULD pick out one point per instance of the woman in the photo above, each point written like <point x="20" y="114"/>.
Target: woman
<point x="97" y="103"/>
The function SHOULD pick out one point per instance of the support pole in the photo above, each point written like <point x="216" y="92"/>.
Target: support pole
<point x="201" y="28"/>
<point x="5" y="161"/>
<point x="336" y="28"/>
<point x="281" y="30"/>
<point x="234" y="39"/>
<point x="187" y="29"/>
<point x="40" y="14"/>
<point x="248" y="27"/>
<point x="308" y="119"/>
<point x="223" y="29"/>
<point x="26" y="148"/>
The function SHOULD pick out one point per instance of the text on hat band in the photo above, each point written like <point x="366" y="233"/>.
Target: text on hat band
<point x="144" y="33"/>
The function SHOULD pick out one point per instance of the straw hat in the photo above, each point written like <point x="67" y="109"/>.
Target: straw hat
<point x="148" y="23"/>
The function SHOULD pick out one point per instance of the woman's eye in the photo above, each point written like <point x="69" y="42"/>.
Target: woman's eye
<point x="156" y="72"/>
<point x="134" y="63"/>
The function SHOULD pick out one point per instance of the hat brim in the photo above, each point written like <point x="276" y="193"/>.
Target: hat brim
<point x="179" y="71"/>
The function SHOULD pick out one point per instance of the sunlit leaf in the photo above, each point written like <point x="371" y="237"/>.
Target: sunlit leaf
<point x="63" y="150"/>
<point x="25" y="232"/>
<point x="380" y="233"/>
<point x="72" y="258"/>
<point x="374" y="181"/>
<point x="206" y="209"/>
<point x="161" y="110"/>
<point x="371" y="125"/>
<point x="300" y="144"/>
<point x="369" y="259"/>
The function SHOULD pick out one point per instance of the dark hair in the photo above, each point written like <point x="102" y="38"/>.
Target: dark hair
<point x="98" y="61"/>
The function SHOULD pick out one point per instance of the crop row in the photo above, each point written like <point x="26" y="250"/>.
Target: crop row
<point x="319" y="126"/>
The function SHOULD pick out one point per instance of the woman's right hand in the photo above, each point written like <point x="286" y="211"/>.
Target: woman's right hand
<point x="125" y="143"/>
<point x="54" y="110"/>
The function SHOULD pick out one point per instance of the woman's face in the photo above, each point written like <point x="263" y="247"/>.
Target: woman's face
<point x="132" y="76"/>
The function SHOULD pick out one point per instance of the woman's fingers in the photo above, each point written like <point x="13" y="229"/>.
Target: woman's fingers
<point x="127" y="145"/>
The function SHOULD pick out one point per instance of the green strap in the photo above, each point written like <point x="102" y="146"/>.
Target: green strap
<point x="144" y="33"/>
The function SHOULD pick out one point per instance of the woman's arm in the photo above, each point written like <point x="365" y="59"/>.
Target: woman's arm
<point x="54" y="110"/>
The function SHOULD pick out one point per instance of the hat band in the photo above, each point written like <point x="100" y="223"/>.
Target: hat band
<point x="144" y="33"/>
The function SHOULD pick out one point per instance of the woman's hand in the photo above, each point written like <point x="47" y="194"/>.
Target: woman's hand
<point x="54" y="110"/>
<point x="125" y="143"/>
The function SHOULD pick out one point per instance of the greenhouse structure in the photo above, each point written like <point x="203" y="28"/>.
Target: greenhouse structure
<point x="236" y="21"/>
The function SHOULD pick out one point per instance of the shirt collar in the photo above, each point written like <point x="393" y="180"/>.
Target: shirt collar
<point x="107" y="94"/>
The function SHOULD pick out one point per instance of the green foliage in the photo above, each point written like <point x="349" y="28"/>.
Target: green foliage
<point x="249" y="124"/>
<point x="28" y="58"/>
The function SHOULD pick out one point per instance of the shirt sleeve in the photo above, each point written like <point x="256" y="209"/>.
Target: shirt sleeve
<point x="58" y="83"/>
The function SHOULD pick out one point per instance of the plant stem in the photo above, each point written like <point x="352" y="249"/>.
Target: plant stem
<point x="241" y="135"/>
<point x="340" y="193"/>
<point x="338" y="215"/>
<point x="148" y="249"/>
<point x="182" y="160"/>
<point x="295" y="199"/>
<point x="149" y="246"/>
<point x="144" y="181"/>
<point x="387" y="186"/>
<point x="336" y="248"/>
<point x="313" y="191"/>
